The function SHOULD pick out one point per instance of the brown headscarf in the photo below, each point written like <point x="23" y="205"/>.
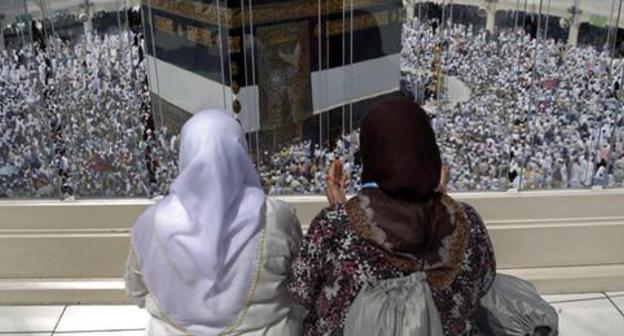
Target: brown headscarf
<point x="400" y="154"/>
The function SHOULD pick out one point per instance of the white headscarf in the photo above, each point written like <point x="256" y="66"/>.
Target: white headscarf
<point x="197" y="247"/>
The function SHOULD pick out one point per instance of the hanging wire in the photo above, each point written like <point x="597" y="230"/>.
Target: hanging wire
<point x="129" y="38"/>
<point x="516" y="15"/>
<point x="351" y="42"/>
<point x="253" y="79"/>
<point x="40" y="104"/>
<point x="518" y="61"/>
<point x="118" y="20"/>
<point x="320" y="69"/>
<point x="547" y="21"/>
<point x="244" y="52"/>
<point x="155" y="59"/>
<point x="344" y="57"/>
<point x="221" y="59"/>
<point x="328" y="65"/>
<point x="51" y="20"/>
<point x="616" y="26"/>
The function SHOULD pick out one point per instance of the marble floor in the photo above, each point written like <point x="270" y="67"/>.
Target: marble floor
<point x="595" y="314"/>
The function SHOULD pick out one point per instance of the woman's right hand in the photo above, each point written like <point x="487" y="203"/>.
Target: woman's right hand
<point x="335" y="182"/>
<point x="443" y="179"/>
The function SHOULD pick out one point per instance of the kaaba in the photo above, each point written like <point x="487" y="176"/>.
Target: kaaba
<point x="273" y="62"/>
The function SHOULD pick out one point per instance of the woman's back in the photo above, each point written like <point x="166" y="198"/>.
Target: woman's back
<point x="267" y="310"/>
<point x="210" y="257"/>
<point x="340" y="255"/>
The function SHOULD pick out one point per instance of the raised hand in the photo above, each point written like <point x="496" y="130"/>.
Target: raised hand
<point x="335" y="182"/>
<point x="443" y="179"/>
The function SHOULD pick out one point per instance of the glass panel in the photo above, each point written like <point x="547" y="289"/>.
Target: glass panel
<point x="617" y="163"/>
<point x="523" y="94"/>
<point x="513" y="38"/>
<point x="516" y="110"/>
<point x="28" y="164"/>
<point x="572" y="107"/>
<point x="443" y="63"/>
<point x="530" y="155"/>
<point x="610" y="154"/>
<point x="190" y="69"/>
<point x="616" y="157"/>
<point x="91" y="97"/>
<point x="343" y="31"/>
<point x="300" y="91"/>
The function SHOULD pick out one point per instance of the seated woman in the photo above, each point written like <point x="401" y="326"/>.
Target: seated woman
<point x="398" y="224"/>
<point x="211" y="257"/>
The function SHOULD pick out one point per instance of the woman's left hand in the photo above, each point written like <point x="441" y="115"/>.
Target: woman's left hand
<point x="335" y="182"/>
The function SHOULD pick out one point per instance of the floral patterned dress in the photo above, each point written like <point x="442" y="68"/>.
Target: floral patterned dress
<point x="338" y="256"/>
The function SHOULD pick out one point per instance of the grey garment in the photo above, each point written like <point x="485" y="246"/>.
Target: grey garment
<point x="137" y="292"/>
<point x="512" y="307"/>
<point x="270" y="311"/>
<point x="394" y="307"/>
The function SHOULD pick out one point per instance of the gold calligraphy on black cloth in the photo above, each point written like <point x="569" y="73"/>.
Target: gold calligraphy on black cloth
<point x="207" y="38"/>
<point x="192" y="33"/>
<point x="266" y="13"/>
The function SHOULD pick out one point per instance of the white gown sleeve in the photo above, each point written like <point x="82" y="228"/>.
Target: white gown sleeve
<point x="136" y="290"/>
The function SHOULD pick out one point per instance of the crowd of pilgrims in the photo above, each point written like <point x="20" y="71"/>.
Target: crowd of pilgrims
<point x="558" y="125"/>
<point x="300" y="168"/>
<point x="76" y="120"/>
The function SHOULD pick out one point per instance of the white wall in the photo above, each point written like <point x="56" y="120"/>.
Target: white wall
<point x="564" y="241"/>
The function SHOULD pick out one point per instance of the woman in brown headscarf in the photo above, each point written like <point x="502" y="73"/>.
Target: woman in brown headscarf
<point x="401" y="222"/>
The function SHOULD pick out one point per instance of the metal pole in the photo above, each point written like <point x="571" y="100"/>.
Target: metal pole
<point x="328" y="67"/>
<point x="451" y="15"/>
<point x="419" y="10"/>
<point x="129" y="38"/>
<point x="612" y="136"/>
<point x="2" y="45"/>
<point x="320" y="67"/>
<point x="344" y="61"/>
<point x="351" y="65"/>
<point x="245" y="66"/>
<point x="44" y="15"/>
<point x="52" y="23"/>
<point x="118" y="21"/>
<point x="221" y="58"/>
<point x="253" y="78"/>
<point x="88" y="25"/>
<point x="443" y="19"/>
<point x="320" y="130"/>
<point x="149" y="5"/>
<point x="547" y="21"/>
<point x="516" y="16"/>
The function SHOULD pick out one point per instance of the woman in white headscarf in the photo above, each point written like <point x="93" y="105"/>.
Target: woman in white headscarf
<point x="210" y="258"/>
